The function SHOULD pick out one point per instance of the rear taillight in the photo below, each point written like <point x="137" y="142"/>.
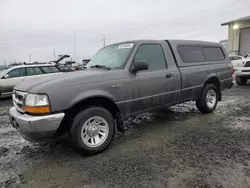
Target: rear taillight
<point x="233" y="70"/>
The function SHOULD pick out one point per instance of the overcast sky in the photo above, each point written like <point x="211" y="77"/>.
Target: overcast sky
<point x="37" y="27"/>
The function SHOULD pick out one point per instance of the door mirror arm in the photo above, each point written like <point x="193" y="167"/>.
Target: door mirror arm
<point x="139" y="66"/>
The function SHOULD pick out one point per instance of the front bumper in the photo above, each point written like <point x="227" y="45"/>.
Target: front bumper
<point x="242" y="72"/>
<point x="35" y="128"/>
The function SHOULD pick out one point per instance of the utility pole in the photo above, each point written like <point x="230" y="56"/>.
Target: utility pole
<point x="54" y="52"/>
<point x="104" y="41"/>
<point x="4" y="63"/>
<point x="30" y="58"/>
<point x="74" y="46"/>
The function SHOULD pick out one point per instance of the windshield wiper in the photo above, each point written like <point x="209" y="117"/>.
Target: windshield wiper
<point x="100" y="67"/>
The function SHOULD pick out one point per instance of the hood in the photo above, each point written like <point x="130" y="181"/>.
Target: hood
<point x="246" y="59"/>
<point x="37" y="85"/>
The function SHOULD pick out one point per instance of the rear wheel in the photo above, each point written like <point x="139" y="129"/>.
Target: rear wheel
<point x="92" y="130"/>
<point x="241" y="80"/>
<point x="208" y="99"/>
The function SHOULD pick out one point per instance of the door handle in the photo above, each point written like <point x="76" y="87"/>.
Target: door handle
<point x="169" y="75"/>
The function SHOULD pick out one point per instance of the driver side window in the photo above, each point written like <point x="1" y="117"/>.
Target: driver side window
<point x="153" y="55"/>
<point x="19" y="72"/>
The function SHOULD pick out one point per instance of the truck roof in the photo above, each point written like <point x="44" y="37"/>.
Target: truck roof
<point x="175" y="42"/>
<point x="192" y="42"/>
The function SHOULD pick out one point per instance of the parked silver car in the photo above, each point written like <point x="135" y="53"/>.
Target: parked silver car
<point x="14" y="75"/>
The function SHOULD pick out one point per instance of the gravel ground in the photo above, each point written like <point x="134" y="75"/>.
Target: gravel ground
<point x="176" y="147"/>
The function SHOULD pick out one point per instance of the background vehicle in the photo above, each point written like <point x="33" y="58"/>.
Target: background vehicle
<point x="120" y="80"/>
<point x="248" y="55"/>
<point x="16" y="74"/>
<point x="67" y="66"/>
<point x="2" y="68"/>
<point x="242" y="73"/>
<point x="236" y="60"/>
<point x="85" y="62"/>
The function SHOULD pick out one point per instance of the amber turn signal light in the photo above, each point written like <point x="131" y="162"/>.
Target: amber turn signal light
<point x="37" y="109"/>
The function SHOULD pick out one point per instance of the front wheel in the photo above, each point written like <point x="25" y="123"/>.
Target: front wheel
<point x="241" y="80"/>
<point x="208" y="99"/>
<point x="92" y="130"/>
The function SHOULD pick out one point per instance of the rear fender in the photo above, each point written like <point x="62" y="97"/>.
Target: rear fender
<point x="213" y="79"/>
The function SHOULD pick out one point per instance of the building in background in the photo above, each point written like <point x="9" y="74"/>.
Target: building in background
<point x="225" y="44"/>
<point x="238" y="36"/>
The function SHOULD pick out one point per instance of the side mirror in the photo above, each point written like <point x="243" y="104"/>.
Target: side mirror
<point x="139" y="66"/>
<point x="6" y="76"/>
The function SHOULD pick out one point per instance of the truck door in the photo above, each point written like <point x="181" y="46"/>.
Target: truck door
<point x="158" y="86"/>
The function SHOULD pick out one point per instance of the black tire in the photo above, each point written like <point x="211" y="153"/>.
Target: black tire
<point x="241" y="80"/>
<point x="78" y="122"/>
<point x="201" y="102"/>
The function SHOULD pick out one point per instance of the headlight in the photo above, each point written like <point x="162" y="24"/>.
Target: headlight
<point x="37" y="104"/>
<point x="239" y="65"/>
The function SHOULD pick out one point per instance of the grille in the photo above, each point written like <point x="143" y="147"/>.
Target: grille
<point x="247" y="64"/>
<point x="18" y="100"/>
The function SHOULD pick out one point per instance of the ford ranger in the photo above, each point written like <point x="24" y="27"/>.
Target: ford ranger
<point x="121" y="79"/>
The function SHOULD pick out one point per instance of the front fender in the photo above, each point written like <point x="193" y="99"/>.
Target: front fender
<point x="90" y="94"/>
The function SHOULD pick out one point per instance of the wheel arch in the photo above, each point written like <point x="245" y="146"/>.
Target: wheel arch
<point x="213" y="79"/>
<point x="94" y="98"/>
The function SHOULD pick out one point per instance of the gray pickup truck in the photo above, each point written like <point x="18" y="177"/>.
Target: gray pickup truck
<point x="120" y="80"/>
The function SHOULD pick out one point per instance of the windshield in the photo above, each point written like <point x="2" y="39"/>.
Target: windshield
<point x="3" y="72"/>
<point x="113" y="56"/>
